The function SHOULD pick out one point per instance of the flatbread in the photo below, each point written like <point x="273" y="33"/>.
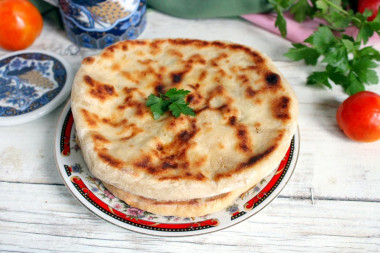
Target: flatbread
<point x="246" y="115"/>
<point x="181" y="208"/>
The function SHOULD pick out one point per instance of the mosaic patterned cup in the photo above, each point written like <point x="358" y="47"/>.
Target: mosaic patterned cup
<point x="100" y="23"/>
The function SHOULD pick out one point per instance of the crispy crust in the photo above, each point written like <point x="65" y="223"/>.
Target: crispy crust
<point x="246" y="117"/>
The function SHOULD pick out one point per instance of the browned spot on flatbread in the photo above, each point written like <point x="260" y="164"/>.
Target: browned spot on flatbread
<point x="115" y="67"/>
<point x="146" y="62"/>
<point x="272" y="79"/>
<point x="160" y="88"/>
<point x="215" y="61"/>
<point x="281" y="107"/>
<point x="124" y="47"/>
<point x="202" y="75"/>
<point x="99" y="90"/>
<point x="171" y="161"/>
<point x="249" y="92"/>
<point x="129" y="76"/>
<point x="245" y="142"/>
<point x="135" y="132"/>
<point x="110" y="160"/>
<point x="196" y="59"/>
<point x="247" y="164"/>
<point x="177" y="77"/>
<point x="139" y="106"/>
<point x="175" y="53"/>
<point x="115" y="123"/>
<point x="112" y="48"/>
<point x="90" y="118"/>
<point x="88" y="60"/>
<point x="98" y="138"/>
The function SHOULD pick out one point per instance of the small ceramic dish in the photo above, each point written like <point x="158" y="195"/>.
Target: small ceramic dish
<point x="32" y="84"/>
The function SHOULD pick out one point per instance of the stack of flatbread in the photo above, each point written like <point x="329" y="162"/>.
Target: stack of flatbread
<point x="246" y="115"/>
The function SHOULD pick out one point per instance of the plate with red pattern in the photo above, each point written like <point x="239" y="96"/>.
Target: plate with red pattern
<point x="92" y="194"/>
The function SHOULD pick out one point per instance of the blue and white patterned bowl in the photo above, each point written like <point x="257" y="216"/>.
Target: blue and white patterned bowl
<point x="100" y="23"/>
<point x="32" y="84"/>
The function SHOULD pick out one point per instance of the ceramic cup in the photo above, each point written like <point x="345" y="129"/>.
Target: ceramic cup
<point x="100" y="23"/>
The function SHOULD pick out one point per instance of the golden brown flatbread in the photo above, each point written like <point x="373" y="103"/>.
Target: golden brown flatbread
<point x="246" y="115"/>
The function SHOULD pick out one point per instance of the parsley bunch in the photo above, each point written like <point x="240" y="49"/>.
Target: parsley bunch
<point x="173" y="100"/>
<point x="346" y="61"/>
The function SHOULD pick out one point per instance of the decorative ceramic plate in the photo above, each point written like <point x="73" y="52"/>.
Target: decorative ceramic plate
<point x="91" y="193"/>
<point x="32" y="84"/>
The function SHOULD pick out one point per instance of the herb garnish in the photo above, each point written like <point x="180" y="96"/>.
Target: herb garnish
<point x="173" y="100"/>
<point x="343" y="58"/>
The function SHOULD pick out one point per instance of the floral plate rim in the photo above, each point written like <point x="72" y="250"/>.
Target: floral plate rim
<point x="53" y="103"/>
<point x="85" y="194"/>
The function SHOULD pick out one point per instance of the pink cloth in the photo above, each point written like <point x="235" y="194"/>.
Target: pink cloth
<point x="297" y="32"/>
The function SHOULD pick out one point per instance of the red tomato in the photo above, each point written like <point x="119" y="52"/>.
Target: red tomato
<point x="359" y="116"/>
<point x="372" y="5"/>
<point x="20" y="24"/>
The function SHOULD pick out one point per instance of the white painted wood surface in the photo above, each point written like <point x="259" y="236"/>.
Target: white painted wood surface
<point x="38" y="214"/>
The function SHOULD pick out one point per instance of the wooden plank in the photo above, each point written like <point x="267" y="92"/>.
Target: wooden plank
<point x="37" y="217"/>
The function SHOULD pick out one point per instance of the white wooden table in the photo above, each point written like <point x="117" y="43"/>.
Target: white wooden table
<point x="331" y="203"/>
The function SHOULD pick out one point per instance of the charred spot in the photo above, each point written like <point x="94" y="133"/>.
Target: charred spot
<point x="88" y="60"/>
<point x="168" y="165"/>
<point x="232" y="120"/>
<point x="109" y="89"/>
<point x="185" y="136"/>
<point x="124" y="47"/>
<point x="160" y="88"/>
<point x="143" y="163"/>
<point x="190" y="98"/>
<point x="272" y="79"/>
<point x="249" y="92"/>
<point x="281" y="108"/>
<point x="177" y="77"/>
<point x="242" y="133"/>
<point x="159" y="147"/>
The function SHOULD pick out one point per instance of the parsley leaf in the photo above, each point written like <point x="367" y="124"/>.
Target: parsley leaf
<point x="344" y="60"/>
<point x="173" y="100"/>
<point x="303" y="52"/>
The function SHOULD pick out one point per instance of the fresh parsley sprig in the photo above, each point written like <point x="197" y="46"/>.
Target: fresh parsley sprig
<point x="173" y="100"/>
<point x="345" y="59"/>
